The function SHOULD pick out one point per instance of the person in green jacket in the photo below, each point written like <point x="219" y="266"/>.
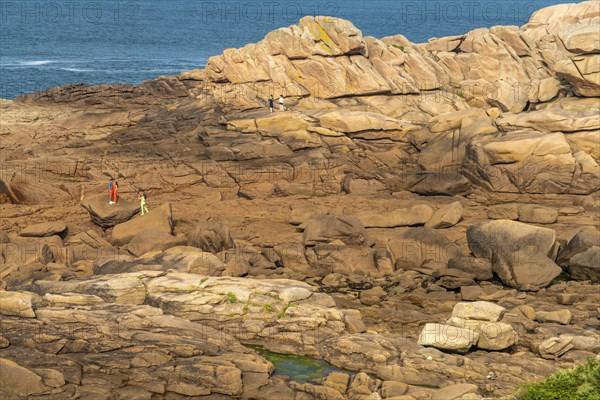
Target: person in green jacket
<point x="142" y="198"/>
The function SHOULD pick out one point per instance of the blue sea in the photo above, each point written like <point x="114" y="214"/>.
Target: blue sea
<point x="50" y="43"/>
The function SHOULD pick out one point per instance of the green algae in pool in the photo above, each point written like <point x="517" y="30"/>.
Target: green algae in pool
<point x="298" y="368"/>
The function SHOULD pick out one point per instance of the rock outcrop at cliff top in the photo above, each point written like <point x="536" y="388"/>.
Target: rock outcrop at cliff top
<point x="503" y="66"/>
<point x="503" y="69"/>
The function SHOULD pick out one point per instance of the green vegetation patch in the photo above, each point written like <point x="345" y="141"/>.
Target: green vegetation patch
<point x="231" y="297"/>
<point x="579" y="383"/>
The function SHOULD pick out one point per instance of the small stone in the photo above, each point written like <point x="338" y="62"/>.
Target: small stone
<point x="392" y="389"/>
<point x="338" y="381"/>
<point x="568" y="299"/>
<point x="571" y="210"/>
<point x="562" y="317"/>
<point x="504" y="211"/>
<point x="527" y="311"/>
<point x="478" y="310"/>
<point x="537" y="214"/>
<point x="354" y="322"/>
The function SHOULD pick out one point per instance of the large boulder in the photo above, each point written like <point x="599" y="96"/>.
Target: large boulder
<point x="25" y="189"/>
<point x="159" y="219"/>
<point x="491" y="335"/>
<point x="413" y="246"/>
<point x="586" y="265"/>
<point x="17" y="382"/>
<point x="44" y="229"/>
<point x="478" y="310"/>
<point x="447" y="337"/>
<point x="292" y="257"/>
<point x="17" y="304"/>
<point x="518" y="252"/>
<point x="482" y="317"/>
<point x="586" y="238"/>
<point x="347" y="229"/>
<point x="210" y="235"/>
<point x="108" y="215"/>
<point x="496" y="336"/>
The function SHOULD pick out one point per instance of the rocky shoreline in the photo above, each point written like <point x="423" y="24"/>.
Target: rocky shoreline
<point x="423" y="216"/>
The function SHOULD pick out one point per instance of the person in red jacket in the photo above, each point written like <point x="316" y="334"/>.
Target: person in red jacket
<point x="112" y="189"/>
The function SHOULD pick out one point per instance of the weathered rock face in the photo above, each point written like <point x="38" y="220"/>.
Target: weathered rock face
<point x="533" y="162"/>
<point x="282" y="315"/>
<point x="496" y="117"/>
<point x="329" y="58"/>
<point x="151" y="353"/>
<point x="518" y="252"/>
<point x="18" y="382"/>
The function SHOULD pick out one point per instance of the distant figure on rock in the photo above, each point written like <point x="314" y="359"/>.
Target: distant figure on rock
<point x="112" y="189"/>
<point x="142" y="198"/>
<point x="271" y="103"/>
<point x="281" y="103"/>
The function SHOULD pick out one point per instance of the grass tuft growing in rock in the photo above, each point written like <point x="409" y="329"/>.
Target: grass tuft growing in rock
<point x="579" y="383"/>
<point x="231" y="297"/>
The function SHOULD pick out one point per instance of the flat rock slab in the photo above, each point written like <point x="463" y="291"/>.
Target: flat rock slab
<point x="44" y="229"/>
<point x="108" y="215"/>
